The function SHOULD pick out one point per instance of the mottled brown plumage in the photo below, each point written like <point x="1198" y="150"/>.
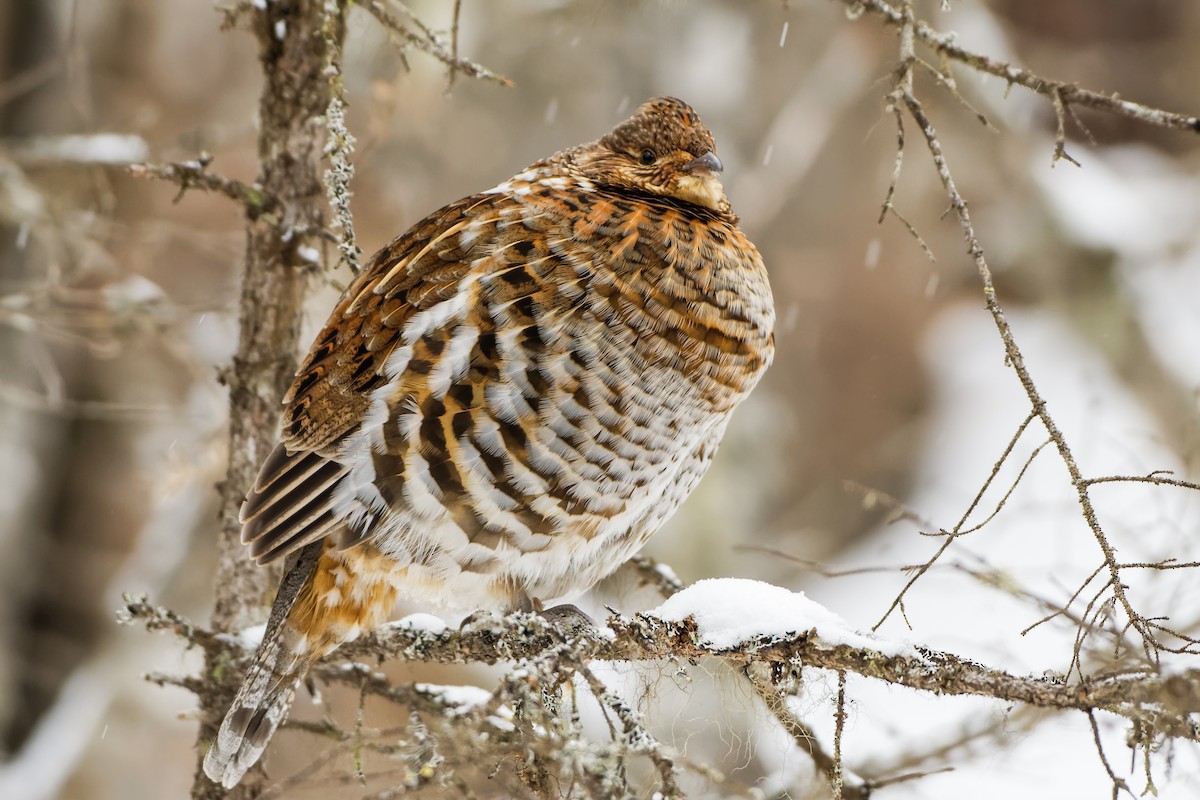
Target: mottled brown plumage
<point x="508" y="401"/>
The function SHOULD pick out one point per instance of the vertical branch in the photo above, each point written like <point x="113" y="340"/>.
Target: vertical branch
<point x="339" y="142"/>
<point x="451" y="74"/>
<point x="775" y="699"/>
<point x="295" y="95"/>
<point x="837" y="779"/>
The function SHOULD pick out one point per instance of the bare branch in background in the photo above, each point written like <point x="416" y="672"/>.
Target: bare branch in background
<point x="954" y="533"/>
<point x="1157" y="478"/>
<point x="427" y="41"/>
<point x="1067" y="93"/>
<point x="902" y="96"/>
<point x="195" y="175"/>
<point x="300" y="53"/>
<point x="296" y="93"/>
<point x="775" y="694"/>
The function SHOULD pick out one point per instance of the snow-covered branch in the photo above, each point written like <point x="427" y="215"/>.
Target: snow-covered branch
<point x="746" y="624"/>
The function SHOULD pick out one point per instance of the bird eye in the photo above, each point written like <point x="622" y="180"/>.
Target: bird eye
<point x="648" y="157"/>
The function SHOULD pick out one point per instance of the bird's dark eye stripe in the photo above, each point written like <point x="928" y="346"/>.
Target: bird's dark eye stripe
<point x="648" y="157"/>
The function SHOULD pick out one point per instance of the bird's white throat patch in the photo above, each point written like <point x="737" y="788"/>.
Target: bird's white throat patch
<point x="702" y="190"/>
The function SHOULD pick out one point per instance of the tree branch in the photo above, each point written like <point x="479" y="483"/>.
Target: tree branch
<point x="1163" y="701"/>
<point x="428" y="42"/>
<point x="195" y="175"/>
<point x="295" y="95"/>
<point x="1057" y="91"/>
<point x="902" y="95"/>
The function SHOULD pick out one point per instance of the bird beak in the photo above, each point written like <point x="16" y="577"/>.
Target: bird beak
<point x="707" y="164"/>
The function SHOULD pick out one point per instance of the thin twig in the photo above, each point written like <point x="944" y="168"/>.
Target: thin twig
<point x="195" y="175"/>
<point x="1118" y="784"/>
<point x="821" y="569"/>
<point x="1016" y="360"/>
<point x="944" y="44"/>
<point x="957" y="530"/>
<point x="904" y="78"/>
<point x="1155" y="478"/>
<point x="1012" y="487"/>
<point x="637" y="737"/>
<point x="453" y="73"/>
<point x="839" y="722"/>
<point x="945" y="79"/>
<point x="872" y="497"/>
<point x="1060" y="134"/>
<point x="805" y="738"/>
<point x="429" y="44"/>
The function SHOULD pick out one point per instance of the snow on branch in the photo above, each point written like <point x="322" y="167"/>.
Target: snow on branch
<point x="742" y="623"/>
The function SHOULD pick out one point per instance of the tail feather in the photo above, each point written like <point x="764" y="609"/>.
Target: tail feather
<point x="326" y="597"/>
<point x="265" y="697"/>
<point x="261" y="705"/>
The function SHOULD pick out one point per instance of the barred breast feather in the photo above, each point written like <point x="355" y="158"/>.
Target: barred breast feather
<point x="514" y="388"/>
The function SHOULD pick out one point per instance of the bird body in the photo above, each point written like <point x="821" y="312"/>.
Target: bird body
<point x="508" y="401"/>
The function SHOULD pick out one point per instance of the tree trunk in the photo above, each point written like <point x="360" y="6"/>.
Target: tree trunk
<point x="293" y="52"/>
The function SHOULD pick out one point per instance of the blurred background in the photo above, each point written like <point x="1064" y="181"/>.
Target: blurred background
<point x="118" y="307"/>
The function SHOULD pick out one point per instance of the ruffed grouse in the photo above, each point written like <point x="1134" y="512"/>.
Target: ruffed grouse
<point x="507" y="402"/>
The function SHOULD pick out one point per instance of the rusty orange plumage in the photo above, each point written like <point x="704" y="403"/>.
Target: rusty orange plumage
<point x="507" y="402"/>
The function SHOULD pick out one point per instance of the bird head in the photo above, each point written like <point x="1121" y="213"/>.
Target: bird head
<point x="663" y="149"/>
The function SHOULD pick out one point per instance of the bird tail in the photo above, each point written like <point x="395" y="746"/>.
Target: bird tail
<point x="265" y="697"/>
<point x="262" y="703"/>
<point x="327" y="596"/>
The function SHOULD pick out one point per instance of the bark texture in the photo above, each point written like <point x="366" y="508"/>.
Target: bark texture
<point x="292" y="41"/>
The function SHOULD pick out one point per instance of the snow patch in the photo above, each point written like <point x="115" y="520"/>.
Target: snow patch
<point x="250" y="638"/>
<point x="90" y="148"/>
<point x="729" y="611"/>
<point x="426" y="623"/>
<point x="309" y="254"/>
<point x="463" y="698"/>
<point x="667" y="573"/>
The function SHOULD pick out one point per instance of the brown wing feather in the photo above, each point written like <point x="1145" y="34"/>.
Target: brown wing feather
<point x="329" y="396"/>
<point x="289" y="505"/>
<point x="649" y="268"/>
